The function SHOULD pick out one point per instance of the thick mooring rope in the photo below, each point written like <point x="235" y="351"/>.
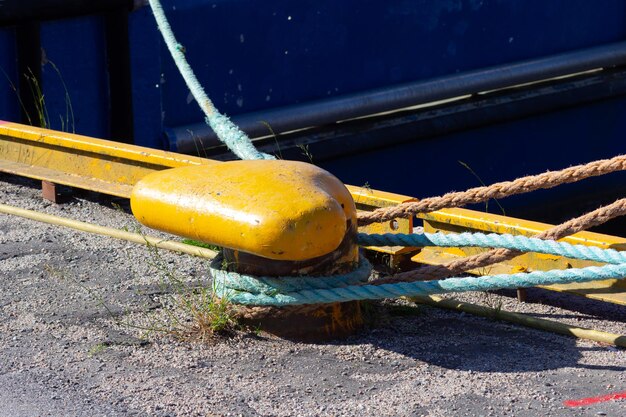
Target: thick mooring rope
<point x="294" y="291"/>
<point x="236" y="140"/>
<point x="239" y="295"/>
<point x="481" y="260"/>
<point x="273" y="285"/>
<point x="289" y="291"/>
<point x="492" y="240"/>
<point x="497" y="190"/>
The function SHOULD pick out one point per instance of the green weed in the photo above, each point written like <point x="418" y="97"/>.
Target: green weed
<point x="42" y="116"/>
<point x="275" y="136"/>
<point x="466" y="166"/>
<point x="193" y="310"/>
<point x="493" y="301"/>
<point x="67" y="123"/>
<point x="39" y="100"/>
<point x="185" y="310"/>
<point x="200" y="150"/>
<point x="201" y="244"/>
<point x="97" y="349"/>
<point x="305" y="151"/>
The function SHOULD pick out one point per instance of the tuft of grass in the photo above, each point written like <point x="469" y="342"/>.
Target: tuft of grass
<point x="305" y="151"/>
<point x="185" y="310"/>
<point x="275" y="136"/>
<point x="40" y="101"/>
<point x="493" y="301"/>
<point x="41" y="109"/>
<point x="197" y="143"/>
<point x="97" y="349"/>
<point x="466" y="166"/>
<point x="201" y="244"/>
<point x="191" y="310"/>
<point x="208" y="316"/>
<point x="68" y="123"/>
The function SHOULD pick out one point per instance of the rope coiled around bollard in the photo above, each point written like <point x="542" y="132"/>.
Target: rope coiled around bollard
<point x="261" y="291"/>
<point x="236" y="282"/>
<point x="299" y="290"/>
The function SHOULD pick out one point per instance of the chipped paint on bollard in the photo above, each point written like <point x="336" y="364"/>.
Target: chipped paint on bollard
<point x="273" y="218"/>
<point x="283" y="210"/>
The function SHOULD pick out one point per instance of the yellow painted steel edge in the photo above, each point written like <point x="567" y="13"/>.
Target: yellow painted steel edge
<point x="98" y="146"/>
<point x="114" y="168"/>
<point x="376" y="198"/>
<point x="462" y="220"/>
<point x="57" y="177"/>
<point x="368" y="199"/>
<point x="493" y="223"/>
<point x="82" y="162"/>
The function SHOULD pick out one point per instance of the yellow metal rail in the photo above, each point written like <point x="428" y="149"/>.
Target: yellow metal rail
<point x="114" y="168"/>
<point x="80" y="161"/>
<point x="367" y="199"/>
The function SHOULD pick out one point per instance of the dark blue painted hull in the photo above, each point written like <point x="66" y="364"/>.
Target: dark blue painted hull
<point x="256" y="57"/>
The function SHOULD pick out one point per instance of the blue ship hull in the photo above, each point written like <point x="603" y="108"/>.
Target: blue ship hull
<point x="351" y="84"/>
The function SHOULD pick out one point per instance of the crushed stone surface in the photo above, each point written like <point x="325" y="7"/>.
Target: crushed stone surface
<point x="72" y="304"/>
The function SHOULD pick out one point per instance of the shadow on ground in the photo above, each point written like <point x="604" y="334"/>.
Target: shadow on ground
<point x="463" y="342"/>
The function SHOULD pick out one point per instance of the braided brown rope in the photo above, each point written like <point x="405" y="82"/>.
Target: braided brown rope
<point x="584" y="222"/>
<point x="472" y="196"/>
<point x="578" y="224"/>
<point x="497" y="190"/>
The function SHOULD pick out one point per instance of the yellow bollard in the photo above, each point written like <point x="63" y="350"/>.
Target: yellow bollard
<point x="281" y="210"/>
<point x="273" y="218"/>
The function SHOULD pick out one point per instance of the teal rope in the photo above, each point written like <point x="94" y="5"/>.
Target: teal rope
<point x="410" y="289"/>
<point x="493" y="240"/>
<point x="233" y="281"/>
<point x="236" y="140"/>
<point x="250" y="290"/>
<point x="245" y="289"/>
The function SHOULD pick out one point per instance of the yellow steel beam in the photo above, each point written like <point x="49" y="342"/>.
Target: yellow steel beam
<point x="114" y="168"/>
<point x="79" y="161"/>
<point x="367" y="199"/>
<point x="462" y="220"/>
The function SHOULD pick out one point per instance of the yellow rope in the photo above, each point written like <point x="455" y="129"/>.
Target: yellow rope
<point x="109" y="231"/>
<point x="524" y="320"/>
<point x="518" y="318"/>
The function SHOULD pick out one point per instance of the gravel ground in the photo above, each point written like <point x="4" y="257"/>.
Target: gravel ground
<point x="63" y="354"/>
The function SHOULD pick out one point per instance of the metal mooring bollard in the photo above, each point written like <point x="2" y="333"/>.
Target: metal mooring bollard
<point x="273" y="218"/>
